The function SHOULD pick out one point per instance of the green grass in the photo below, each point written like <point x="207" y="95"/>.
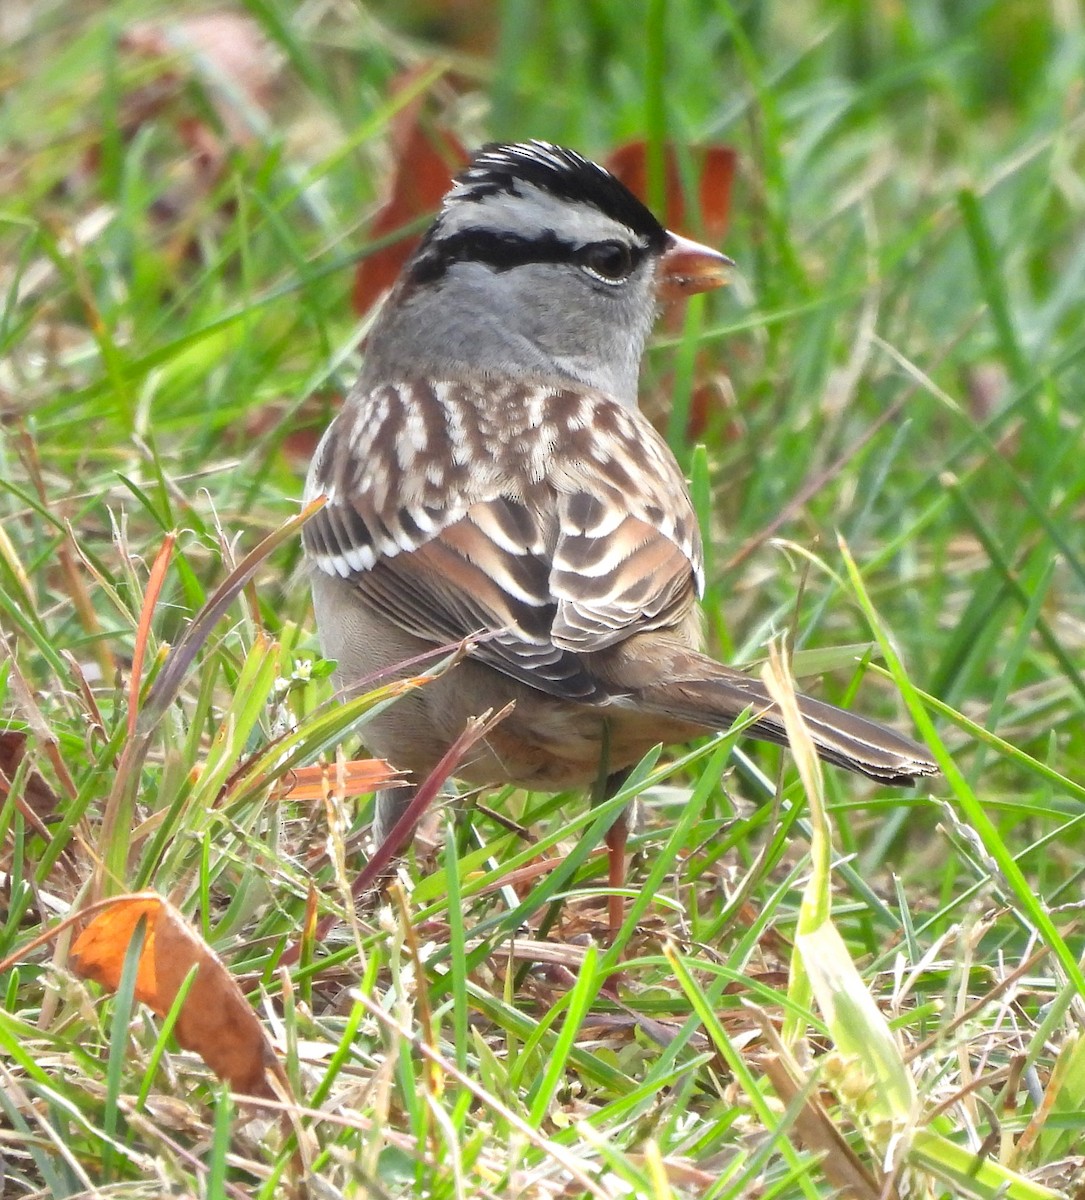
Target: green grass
<point x="893" y="461"/>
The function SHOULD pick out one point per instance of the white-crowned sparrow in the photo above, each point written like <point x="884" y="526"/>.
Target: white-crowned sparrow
<point x="490" y="471"/>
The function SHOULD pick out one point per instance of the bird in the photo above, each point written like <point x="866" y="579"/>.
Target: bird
<point x="490" y="476"/>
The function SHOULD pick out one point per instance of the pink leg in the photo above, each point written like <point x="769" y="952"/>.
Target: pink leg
<point x="617" y="836"/>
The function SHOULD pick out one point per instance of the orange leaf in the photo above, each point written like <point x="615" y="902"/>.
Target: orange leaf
<point x="360" y="777"/>
<point x="155" y="581"/>
<point x="216" y="1021"/>
<point x="714" y="171"/>
<point x="427" y="155"/>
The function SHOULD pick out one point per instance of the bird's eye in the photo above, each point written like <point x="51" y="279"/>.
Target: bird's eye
<point x="611" y="261"/>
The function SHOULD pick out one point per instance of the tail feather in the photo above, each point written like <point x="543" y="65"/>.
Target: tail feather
<point x="709" y="694"/>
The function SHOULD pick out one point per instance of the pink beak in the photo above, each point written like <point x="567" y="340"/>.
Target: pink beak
<point x="687" y="268"/>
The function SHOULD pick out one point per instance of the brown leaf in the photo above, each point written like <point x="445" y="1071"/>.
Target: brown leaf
<point x="37" y="802"/>
<point x="237" y="68"/>
<point x="427" y="155"/>
<point x="305" y="424"/>
<point x="708" y="408"/>
<point x="467" y="27"/>
<point x="216" y="1021"/>
<point x="816" y="1131"/>
<point x="714" y="170"/>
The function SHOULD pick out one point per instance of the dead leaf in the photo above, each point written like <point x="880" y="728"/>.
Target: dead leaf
<point x="360" y="778"/>
<point x="227" y="50"/>
<point x="816" y="1130"/>
<point x="37" y="801"/>
<point x="305" y="424"/>
<point x="714" y="170"/>
<point x="216" y="1021"/>
<point x="708" y="407"/>
<point x="237" y="69"/>
<point x="426" y="156"/>
<point x="467" y="27"/>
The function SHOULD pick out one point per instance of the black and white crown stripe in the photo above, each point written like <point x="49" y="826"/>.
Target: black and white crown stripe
<point x="569" y="181"/>
<point x="500" y="214"/>
<point x="567" y="202"/>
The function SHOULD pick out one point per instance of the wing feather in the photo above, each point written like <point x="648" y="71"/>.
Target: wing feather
<point x="555" y="521"/>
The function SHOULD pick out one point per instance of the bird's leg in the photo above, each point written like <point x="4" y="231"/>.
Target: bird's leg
<point x="617" y="836"/>
<point x="390" y="804"/>
<point x="607" y="784"/>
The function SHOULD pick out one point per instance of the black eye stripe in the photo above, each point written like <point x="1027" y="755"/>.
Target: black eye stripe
<point x="500" y="251"/>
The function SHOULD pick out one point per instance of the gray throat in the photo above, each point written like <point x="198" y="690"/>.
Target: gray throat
<point x="453" y="332"/>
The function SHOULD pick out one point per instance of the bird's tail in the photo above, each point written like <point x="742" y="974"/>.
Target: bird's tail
<point x="700" y="690"/>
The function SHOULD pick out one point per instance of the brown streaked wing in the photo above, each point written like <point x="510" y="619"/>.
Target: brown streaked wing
<point x="461" y="582"/>
<point x="553" y="519"/>
<point x="628" y="557"/>
<point x="631" y="580"/>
